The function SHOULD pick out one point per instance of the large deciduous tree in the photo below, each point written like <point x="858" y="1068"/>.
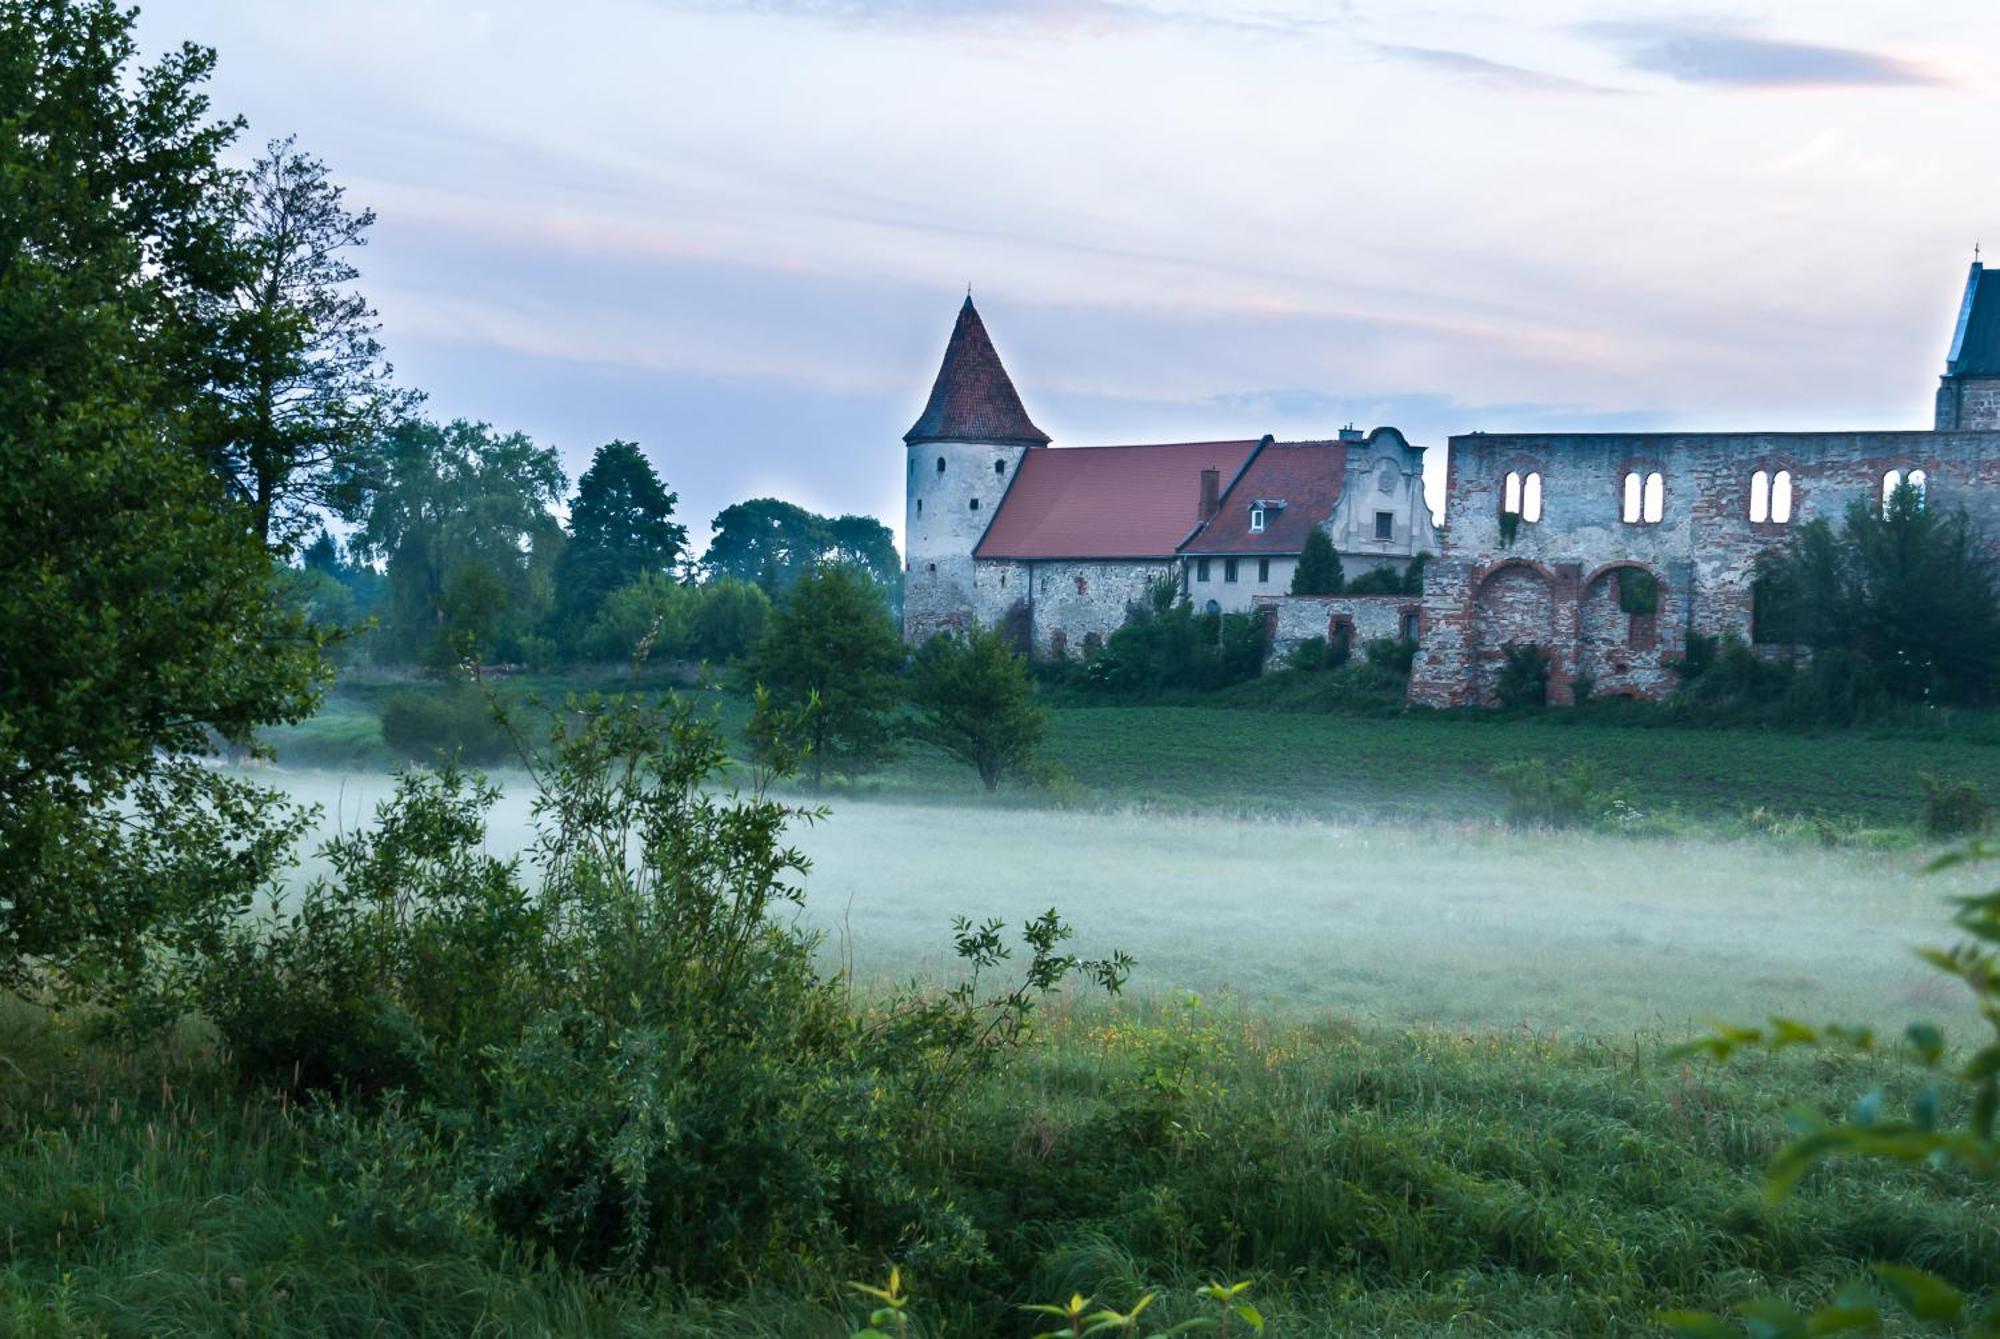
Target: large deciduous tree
<point x="460" y="516"/>
<point x="974" y="702"/>
<point x="138" y="614"/>
<point x="299" y="382"/>
<point x="621" y="528"/>
<point x="774" y="543"/>
<point x="827" y="666"/>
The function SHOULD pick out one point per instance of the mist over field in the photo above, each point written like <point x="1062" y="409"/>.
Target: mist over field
<point x="1455" y="923"/>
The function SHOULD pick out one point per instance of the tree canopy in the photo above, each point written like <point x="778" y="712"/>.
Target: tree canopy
<point x="774" y="543"/>
<point x="1318" y="572"/>
<point x="621" y="527"/>
<point x="1906" y="593"/>
<point x="148" y="602"/>
<point x="975" y="702"/>
<point x="828" y="664"/>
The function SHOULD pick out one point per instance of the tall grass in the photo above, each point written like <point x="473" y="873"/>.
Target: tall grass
<point x="1404" y="1182"/>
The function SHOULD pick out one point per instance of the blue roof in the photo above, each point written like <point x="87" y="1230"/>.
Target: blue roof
<point x="1975" y="344"/>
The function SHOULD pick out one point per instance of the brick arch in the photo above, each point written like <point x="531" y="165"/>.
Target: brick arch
<point x="1771" y="462"/>
<point x="1615" y="649"/>
<point x="1513" y="601"/>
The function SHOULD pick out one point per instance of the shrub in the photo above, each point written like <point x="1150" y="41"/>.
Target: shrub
<point x="1318" y="571"/>
<point x="452" y="720"/>
<point x="1164" y="645"/>
<point x="1524" y="676"/>
<point x="1393" y="654"/>
<point x="1638" y="592"/>
<point x="1378" y="581"/>
<point x="636" y="1062"/>
<point x="1308" y="655"/>
<point x="1573" y="794"/>
<point x="1954" y="808"/>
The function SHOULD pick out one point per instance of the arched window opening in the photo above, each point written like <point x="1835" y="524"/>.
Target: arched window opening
<point x="1656" y="498"/>
<point x="1510" y="497"/>
<point x="1760" y="497"/>
<point x="1920" y="482"/>
<point x="940" y="464"/>
<point x="1634" y="488"/>
<point x="999" y="467"/>
<point x="1781" y="497"/>
<point x="1211" y="608"/>
<point x="1890" y="483"/>
<point x="920" y="506"/>
<point x="1531" y="498"/>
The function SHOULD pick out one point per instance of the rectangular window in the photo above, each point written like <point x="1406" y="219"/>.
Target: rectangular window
<point x="1263" y="570"/>
<point x="1385" y="525"/>
<point x="1201" y="569"/>
<point x="1256" y="520"/>
<point x="1229" y="569"/>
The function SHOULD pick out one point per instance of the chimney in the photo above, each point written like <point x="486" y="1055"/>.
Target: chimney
<point x="1350" y="433"/>
<point x="1211" y="494"/>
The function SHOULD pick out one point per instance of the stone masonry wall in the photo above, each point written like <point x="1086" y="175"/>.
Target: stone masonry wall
<point x="1556" y="583"/>
<point x="1291" y="619"/>
<point x="1068" y="603"/>
<point x="946" y="512"/>
<point x="1971" y="403"/>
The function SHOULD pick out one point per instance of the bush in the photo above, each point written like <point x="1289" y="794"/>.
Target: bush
<point x="1308" y="655"/>
<point x="1573" y="794"/>
<point x="1164" y="646"/>
<point x="453" y="720"/>
<point x="1954" y="808"/>
<point x="1394" y="654"/>
<point x="1524" y="677"/>
<point x="636" y="1064"/>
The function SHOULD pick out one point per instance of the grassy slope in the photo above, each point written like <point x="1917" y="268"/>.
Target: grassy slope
<point x="1374" y="1184"/>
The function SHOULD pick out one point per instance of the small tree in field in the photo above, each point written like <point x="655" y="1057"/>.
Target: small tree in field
<point x="976" y="704"/>
<point x="1318" y="572"/>
<point x="827" y="664"/>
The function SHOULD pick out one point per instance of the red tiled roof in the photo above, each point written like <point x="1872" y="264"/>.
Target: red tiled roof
<point x="972" y="399"/>
<point x="1106" y="501"/>
<point x="1305" y="476"/>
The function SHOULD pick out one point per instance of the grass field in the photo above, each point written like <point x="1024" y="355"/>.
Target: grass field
<point x="1265" y="763"/>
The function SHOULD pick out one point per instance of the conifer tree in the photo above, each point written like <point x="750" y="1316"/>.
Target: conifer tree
<point x="1318" y="572"/>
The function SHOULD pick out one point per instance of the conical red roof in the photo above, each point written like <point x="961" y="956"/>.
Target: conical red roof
<point x="972" y="400"/>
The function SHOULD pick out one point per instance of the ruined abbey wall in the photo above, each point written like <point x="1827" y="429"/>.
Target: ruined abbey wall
<point x="1555" y="582"/>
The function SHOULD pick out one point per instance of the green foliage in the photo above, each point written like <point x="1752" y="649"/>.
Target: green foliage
<point x="1389" y="581"/>
<point x="1937" y="1131"/>
<point x="1394" y="655"/>
<point x="1312" y="654"/>
<point x="1510" y="528"/>
<point x="1908" y="593"/>
<point x="720" y="621"/>
<point x="773" y="544"/>
<point x="1638" y="592"/>
<point x="1165" y="646"/>
<point x="621" y="529"/>
<point x="1318" y="571"/>
<point x="455" y="721"/>
<point x="1954" y="807"/>
<point x="459" y="515"/>
<point x="828" y="662"/>
<point x="1567" y="794"/>
<point x="974" y="701"/>
<point x="1524" y="676"/>
<point x="636" y="1064"/>
<point x="141" y="620"/>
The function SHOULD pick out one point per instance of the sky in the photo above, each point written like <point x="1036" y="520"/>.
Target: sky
<point x="738" y="233"/>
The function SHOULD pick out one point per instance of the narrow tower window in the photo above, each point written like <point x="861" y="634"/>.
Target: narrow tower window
<point x="1656" y="498"/>
<point x="1634" y="487"/>
<point x="940" y="464"/>
<point x="1760" y="497"/>
<point x="972" y="505"/>
<point x="999" y="467"/>
<point x="1510" y="495"/>
<point x="1890" y="483"/>
<point x="1921" y="482"/>
<point x="1531" y="498"/>
<point x="1781" y="497"/>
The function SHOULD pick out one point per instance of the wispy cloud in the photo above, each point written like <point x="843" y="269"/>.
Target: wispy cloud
<point x="1724" y="59"/>
<point x="1490" y="73"/>
<point x="1034" y="15"/>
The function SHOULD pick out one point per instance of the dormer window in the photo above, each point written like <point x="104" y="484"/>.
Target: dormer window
<point x="1256" y="520"/>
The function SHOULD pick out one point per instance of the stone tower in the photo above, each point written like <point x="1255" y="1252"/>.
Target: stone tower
<point x="963" y="453"/>
<point x="1969" y="393"/>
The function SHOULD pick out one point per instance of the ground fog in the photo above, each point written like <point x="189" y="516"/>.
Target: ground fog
<point x="1458" y="924"/>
